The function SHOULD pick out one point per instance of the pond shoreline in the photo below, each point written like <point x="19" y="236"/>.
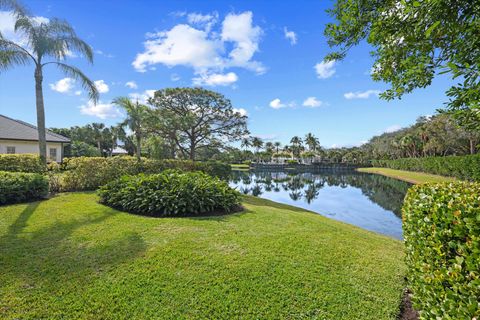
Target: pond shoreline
<point x="408" y="176"/>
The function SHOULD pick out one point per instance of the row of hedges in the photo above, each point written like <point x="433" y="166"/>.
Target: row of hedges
<point x="462" y="167"/>
<point x="442" y="238"/>
<point x="21" y="163"/>
<point x="170" y="193"/>
<point x="20" y="187"/>
<point x="89" y="173"/>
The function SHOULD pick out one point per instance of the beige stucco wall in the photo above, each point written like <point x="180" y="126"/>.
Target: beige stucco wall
<point x="30" y="147"/>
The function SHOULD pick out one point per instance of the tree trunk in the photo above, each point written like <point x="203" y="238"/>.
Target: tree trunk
<point x="192" y="152"/>
<point x="99" y="146"/>
<point x="42" y="140"/>
<point x="472" y="146"/>
<point x="139" y="147"/>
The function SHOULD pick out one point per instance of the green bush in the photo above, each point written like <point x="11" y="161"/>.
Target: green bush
<point x="170" y="193"/>
<point x="20" y="187"/>
<point x="462" y="167"/>
<point x="442" y="239"/>
<point x="89" y="173"/>
<point x="21" y="163"/>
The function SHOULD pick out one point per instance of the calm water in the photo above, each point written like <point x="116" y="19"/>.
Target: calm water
<point x="372" y="202"/>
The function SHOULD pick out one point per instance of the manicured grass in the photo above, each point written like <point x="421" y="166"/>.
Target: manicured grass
<point x="72" y="258"/>
<point x="240" y="166"/>
<point x="409" y="176"/>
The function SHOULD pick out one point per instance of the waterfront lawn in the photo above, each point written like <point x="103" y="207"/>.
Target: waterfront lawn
<point x="240" y="166"/>
<point x="409" y="176"/>
<point x="72" y="258"/>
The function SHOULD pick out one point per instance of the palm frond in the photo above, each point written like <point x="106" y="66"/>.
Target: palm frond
<point x="77" y="74"/>
<point x="12" y="57"/>
<point x="16" y="7"/>
<point x="7" y="45"/>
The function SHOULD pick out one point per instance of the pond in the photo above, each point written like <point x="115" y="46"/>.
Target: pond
<point x="369" y="201"/>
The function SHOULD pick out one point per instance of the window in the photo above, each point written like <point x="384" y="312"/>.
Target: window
<point x="10" y="150"/>
<point x="53" y="154"/>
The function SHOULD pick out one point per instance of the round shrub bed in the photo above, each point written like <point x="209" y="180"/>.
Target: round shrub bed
<point x="20" y="187"/>
<point x="170" y="193"/>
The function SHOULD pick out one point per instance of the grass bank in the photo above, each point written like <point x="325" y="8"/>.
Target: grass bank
<point x="72" y="258"/>
<point x="409" y="176"/>
<point x="240" y="166"/>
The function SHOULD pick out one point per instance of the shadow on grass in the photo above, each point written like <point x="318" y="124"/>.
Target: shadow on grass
<point x="51" y="256"/>
<point x="259" y="202"/>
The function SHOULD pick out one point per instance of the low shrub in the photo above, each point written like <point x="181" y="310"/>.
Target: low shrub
<point x="20" y="187"/>
<point x="21" y="163"/>
<point x="170" y="193"/>
<point x="462" y="167"/>
<point x="442" y="239"/>
<point x="89" y="173"/>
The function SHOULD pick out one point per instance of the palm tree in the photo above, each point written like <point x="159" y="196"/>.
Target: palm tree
<point x="312" y="142"/>
<point x="54" y="39"/>
<point x="246" y="143"/>
<point x="269" y="146"/>
<point x="296" y="141"/>
<point x="277" y="145"/>
<point x="257" y="143"/>
<point x="136" y="116"/>
<point x="97" y="130"/>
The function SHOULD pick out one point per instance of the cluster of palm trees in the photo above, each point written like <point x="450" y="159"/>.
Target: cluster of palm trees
<point x="308" y="147"/>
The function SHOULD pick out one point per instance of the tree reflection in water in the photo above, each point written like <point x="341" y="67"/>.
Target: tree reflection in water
<point x="305" y="186"/>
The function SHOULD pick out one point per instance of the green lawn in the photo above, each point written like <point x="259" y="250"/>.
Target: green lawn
<point x="240" y="166"/>
<point x="72" y="258"/>
<point x="409" y="176"/>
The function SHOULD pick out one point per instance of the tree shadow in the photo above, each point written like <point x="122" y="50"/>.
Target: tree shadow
<point x="50" y="256"/>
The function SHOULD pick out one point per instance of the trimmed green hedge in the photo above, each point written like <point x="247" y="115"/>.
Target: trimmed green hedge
<point x="462" y="167"/>
<point x="170" y="193"/>
<point x="21" y="163"/>
<point x="442" y="238"/>
<point x="20" y="187"/>
<point x="89" y="173"/>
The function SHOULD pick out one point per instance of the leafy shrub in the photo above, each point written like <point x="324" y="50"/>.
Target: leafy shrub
<point x="170" y="193"/>
<point x="290" y="161"/>
<point x="442" y="238"/>
<point x="89" y="173"/>
<point x="21" y="163"/>
<point x="462" y="167"/>
<point x="20" y="187"/>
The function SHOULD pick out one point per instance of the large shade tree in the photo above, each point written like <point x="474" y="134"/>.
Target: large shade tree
<point x="43" y="43"/>
<point x="195" y="119"/>
<point x="413" y="42"/>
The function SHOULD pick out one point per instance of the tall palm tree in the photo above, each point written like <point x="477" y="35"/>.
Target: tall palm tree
<point x="136" y="116"/>
<point x="277" y="145"/>
<point x="257" y="143"/>
<point x="44" y="44"/>
<point x="269" y="146"/>
<point x="312" y="142"/>
<point x="296" y="141"/>
<point x="246" y="143"/>
<point x="97" y="130"/>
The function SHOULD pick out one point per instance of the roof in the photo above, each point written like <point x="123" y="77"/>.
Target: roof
<point x="119" y="150"/>
<point x="11" y="129"/>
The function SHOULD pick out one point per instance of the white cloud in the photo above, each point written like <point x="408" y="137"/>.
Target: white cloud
<point x="174" y="77"/>
<point x="325" y="69"/>
<point x="277" y="104"/>
<point x="312" y="102"/>
<point x="142" y="97"/>
<point x="106" y="55"/>
<point x="216" y="79"/>
<point x="100" y="110"/>
<point x="393" y="128"/>
<point x="78" y="92"/>
<point x="101" y="86"/>
<point x="361" y="94"/>
<point x="64" y="85"/>
<point x="131" y="84"/>
<point x="204" y="50"/>
<point x="290" y="36"/>
<point x="205" y="21"/>
<point x="7" y="27"/>
<point x="242" y="111"/>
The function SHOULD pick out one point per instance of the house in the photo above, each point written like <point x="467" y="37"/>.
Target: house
<point x="20" y="137"/>
<point x="119" y="152"/>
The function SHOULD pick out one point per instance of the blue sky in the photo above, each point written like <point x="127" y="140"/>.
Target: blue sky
<point x="266" y="56"/>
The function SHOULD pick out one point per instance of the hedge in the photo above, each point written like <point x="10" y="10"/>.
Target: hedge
<point x="170" y="193"/>
<point x="462" y="167"/>
<point x="21" y="163"/>
<point x="442" y="238"/>
<point x="89" y="173"/>
<point x="20" y="187"/>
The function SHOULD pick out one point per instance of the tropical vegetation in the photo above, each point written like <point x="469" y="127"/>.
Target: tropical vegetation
<point x="20" y="187"/>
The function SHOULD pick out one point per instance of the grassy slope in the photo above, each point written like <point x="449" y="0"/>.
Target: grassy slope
<point x="409" y="176"/>
<point x="240" y="166"/>
<point x="70" y="257"/>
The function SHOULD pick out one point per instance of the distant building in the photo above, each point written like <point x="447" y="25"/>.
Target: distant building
<point x="18" y="137"/>
<point x="119" y="152"/>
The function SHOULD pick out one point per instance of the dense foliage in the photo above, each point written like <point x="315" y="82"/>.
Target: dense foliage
<point x="170" y="193"/>
<point x="20" y="187"/>
<point x="21" y="163"/>
<point x="462" y="167"/>
<point x="414" y="41"/>
<point x="442" y="238"/>
<point x="89" y="173"/>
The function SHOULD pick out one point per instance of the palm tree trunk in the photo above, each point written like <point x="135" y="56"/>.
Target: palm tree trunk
<point x="42" y="140"/>
<point x="139" y="147"/>
<point x="472" y="146"/>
